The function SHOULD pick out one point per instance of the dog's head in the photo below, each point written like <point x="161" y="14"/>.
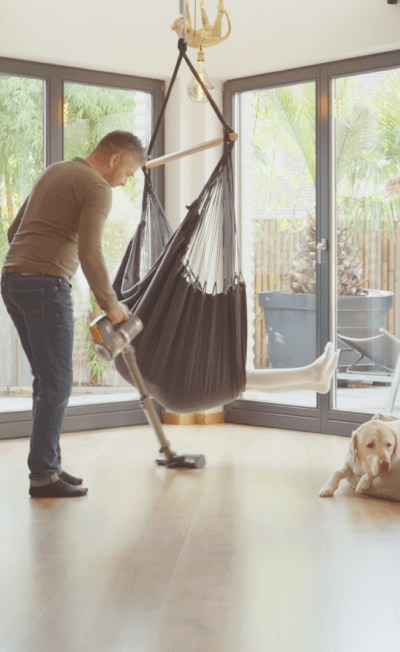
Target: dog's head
<point x="374" y="445"/>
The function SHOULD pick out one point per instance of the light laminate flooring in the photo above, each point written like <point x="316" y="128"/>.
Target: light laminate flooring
<point x="241" y="556"/>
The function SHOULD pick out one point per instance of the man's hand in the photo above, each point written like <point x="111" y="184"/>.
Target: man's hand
<point x="118" y="314"/>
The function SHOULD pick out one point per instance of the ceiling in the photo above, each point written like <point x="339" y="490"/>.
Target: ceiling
<point x="135" y="36"/>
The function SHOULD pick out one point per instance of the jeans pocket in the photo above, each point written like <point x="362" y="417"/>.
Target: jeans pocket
<point x="30" y="302"/>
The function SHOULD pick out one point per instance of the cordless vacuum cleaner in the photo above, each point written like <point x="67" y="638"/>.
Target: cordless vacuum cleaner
<point x="110" y="341"/>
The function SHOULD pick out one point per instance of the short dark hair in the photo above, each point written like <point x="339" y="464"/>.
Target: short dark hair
<point x="123" y="140"/>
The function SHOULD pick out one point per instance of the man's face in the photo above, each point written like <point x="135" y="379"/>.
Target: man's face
<point x="122" y="166"/>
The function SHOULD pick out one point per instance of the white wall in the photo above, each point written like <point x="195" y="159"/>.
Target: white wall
<point x="188" y="124"/>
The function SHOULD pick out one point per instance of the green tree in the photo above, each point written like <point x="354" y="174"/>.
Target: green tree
<point x="21" y="145"/>
<point x="89" y="113"/>
<point x="367" y="151"/>
<point x="367" y="155"/>
<point x="367" y="137"/>
<point x="92" y="111"/>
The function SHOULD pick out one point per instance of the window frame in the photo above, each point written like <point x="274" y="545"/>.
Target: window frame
<point x="324" y="418"/>
<point x="99" y="415"/>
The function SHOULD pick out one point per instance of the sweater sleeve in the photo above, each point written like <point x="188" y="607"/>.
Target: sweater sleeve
<point x="95" y="209"/>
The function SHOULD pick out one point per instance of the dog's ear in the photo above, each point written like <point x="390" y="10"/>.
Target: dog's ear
<point x="396" y="442"/>
<point x="354" y="445"/>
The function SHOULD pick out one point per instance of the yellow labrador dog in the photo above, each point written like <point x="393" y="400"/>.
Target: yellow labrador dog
<point x="371" y="454"/>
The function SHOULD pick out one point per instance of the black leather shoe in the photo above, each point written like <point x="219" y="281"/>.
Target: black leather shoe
<point x="71" y="479"/>
<point x="58" y="489"/>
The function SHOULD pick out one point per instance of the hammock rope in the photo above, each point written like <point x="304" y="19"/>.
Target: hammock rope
<point x="187" y="288"/>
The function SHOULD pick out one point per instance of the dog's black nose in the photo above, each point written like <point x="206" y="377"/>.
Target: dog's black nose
<point x="383" y="467"/>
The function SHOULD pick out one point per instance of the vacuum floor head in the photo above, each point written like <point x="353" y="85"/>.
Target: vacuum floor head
<point x="179" y="461"/>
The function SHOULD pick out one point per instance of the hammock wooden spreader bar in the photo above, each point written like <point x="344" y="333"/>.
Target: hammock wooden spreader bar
<point x="161" y="160"/>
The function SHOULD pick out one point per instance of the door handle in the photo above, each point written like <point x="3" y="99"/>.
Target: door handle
<point x="321" y="246"/>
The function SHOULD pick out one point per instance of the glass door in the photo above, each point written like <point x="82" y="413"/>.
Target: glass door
<point x="44" y="117"/>
<point x="21" y="161"/>
<point x="89" y="112"/>
<point x="278" y="225"/>
<point x="366" y="162"/>
<point x="318" y="187"/>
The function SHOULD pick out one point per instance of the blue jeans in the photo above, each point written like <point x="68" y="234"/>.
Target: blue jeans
<point x="41" y="308"/>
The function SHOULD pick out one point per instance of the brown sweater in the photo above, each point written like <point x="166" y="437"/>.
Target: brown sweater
<point x="60" y="225"/>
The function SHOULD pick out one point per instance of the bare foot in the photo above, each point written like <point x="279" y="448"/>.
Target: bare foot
<point x="325" y="367"/>
<point x="315" y="376"/>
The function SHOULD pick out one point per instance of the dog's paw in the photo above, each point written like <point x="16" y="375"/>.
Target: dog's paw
<point x="326" y="491"/>
<point x="364" y="484"/>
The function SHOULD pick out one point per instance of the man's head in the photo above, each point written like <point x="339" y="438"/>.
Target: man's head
<point x="117" y="157"/>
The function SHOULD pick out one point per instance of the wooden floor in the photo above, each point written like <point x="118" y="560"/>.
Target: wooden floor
<point x="242" y="556"/>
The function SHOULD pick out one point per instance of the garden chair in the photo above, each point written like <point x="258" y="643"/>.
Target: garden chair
<point x="383" y="351"/>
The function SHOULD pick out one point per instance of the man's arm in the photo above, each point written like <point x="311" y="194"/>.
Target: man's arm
<point x="95" y="210"/>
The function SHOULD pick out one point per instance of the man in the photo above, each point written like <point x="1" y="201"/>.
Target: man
<point x="58" y="227"/>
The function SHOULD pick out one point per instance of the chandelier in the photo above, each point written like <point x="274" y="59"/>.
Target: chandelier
<point x="199" y="37"/>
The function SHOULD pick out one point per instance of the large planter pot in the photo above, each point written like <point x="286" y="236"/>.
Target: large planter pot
<point x="290" y="322"/>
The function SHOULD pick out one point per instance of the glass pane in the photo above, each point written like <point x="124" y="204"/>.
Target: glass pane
<point x="89" y="113"/>
<point x="277" y="207"/>
<point x="21" y="161"/>
<point x="367" y="162"/>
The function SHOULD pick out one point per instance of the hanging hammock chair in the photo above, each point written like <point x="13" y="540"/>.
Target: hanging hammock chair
<point x="188" y="290"/>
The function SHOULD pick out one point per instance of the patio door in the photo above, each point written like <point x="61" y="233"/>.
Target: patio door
<point x="89" y="112"/>
<point x="49" y="113"/>
<point x="318" y="206"/>
<point x="366" y="161"/>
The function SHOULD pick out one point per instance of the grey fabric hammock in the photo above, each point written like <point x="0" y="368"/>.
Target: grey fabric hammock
<point x="188" y="290"/>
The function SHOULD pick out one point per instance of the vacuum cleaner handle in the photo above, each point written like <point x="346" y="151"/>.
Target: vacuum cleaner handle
<point x="109" y="339"/>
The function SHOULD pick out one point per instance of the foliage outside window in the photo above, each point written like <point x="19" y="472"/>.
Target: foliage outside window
<point x="367" y="160"/>
<point x="89" y="112"/>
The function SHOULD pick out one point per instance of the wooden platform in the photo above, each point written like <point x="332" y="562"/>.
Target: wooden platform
<point x="242" y="556"/>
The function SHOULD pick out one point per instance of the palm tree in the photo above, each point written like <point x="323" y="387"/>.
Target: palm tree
<point x="367" y="156"/>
